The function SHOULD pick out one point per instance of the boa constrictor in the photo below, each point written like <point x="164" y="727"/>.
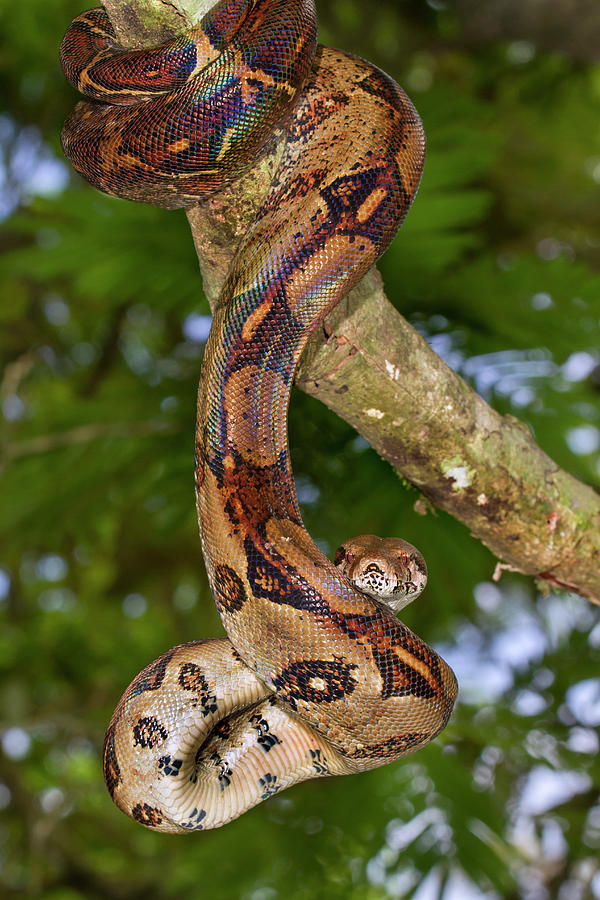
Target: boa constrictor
<point x="316" y="677"/>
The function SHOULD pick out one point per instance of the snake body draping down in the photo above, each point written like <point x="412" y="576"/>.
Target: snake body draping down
<point x="315" y="677"/>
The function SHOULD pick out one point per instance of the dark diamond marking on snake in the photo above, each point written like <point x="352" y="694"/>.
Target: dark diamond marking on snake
<point x="268" y="785"/>
<point x="112" y="772"/>
<point x="399" y="678"/>
<point x="152" y="677"/>
<point x="319" y="762"/>
<point x="150" y="816"/>
<point x="276" y="580"/>
<point x="148" y="732"/>
<point x="169" y="766"/>
<point x="394" y="745"/>
<point x="265" y="737"/>
<point x="191" y="678"/>
<point x="196" y="818"/>
<point x="315" y="681"/>
<point x="229" y="591"/>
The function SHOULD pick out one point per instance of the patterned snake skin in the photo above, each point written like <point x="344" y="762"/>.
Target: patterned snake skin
<point x="315" y="678"/>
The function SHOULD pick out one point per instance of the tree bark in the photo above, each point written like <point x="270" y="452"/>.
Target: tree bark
<point x="484" y="469"/>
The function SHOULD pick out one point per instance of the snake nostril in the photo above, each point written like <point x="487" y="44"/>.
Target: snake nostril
<point x="374" y="569"/>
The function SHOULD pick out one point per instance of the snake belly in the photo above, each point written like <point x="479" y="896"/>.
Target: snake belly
<point x="315" y="677"/>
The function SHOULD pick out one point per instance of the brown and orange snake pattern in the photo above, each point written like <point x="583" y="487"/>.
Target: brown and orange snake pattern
<point x="316" y="677"/>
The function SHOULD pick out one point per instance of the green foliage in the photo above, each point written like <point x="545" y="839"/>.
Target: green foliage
<point x="101" y="565"/>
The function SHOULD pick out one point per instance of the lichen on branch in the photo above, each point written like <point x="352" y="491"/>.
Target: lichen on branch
<point x="484" y="469"/>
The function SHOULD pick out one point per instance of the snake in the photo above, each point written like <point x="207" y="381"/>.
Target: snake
<point x="316" y="676"/>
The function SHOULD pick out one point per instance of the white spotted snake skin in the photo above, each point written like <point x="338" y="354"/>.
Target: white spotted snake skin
<point x="315" y="677"/>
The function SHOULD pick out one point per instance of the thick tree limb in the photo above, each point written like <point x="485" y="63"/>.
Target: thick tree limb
<point x="483" y="468"/>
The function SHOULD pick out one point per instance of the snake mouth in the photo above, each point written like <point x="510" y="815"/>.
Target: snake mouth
<point x="375" y="581"/>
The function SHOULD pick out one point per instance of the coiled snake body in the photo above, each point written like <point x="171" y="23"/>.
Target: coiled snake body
<point x="316" y="677"/>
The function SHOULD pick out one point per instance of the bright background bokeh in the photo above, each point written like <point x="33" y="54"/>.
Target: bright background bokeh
<point x="102" y="325"/>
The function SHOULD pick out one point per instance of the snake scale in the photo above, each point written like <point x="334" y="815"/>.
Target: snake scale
<point x="317" y="676"/>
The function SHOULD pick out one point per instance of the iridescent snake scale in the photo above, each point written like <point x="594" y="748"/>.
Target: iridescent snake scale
<point x="315" y="677"/>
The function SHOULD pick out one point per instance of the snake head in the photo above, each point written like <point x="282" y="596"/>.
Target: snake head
<point x="388" y="569"/>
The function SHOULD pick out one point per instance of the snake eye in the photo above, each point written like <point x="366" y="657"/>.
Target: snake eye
<point x="405" y="560"/>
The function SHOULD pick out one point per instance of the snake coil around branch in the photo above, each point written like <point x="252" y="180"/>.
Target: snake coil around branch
<point x="317" y="676"/>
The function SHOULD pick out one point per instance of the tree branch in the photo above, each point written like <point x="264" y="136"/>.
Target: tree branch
<point x="483" y="468"/>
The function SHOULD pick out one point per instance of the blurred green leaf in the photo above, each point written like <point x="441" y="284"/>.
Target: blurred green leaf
<point x="497" y="265"/>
